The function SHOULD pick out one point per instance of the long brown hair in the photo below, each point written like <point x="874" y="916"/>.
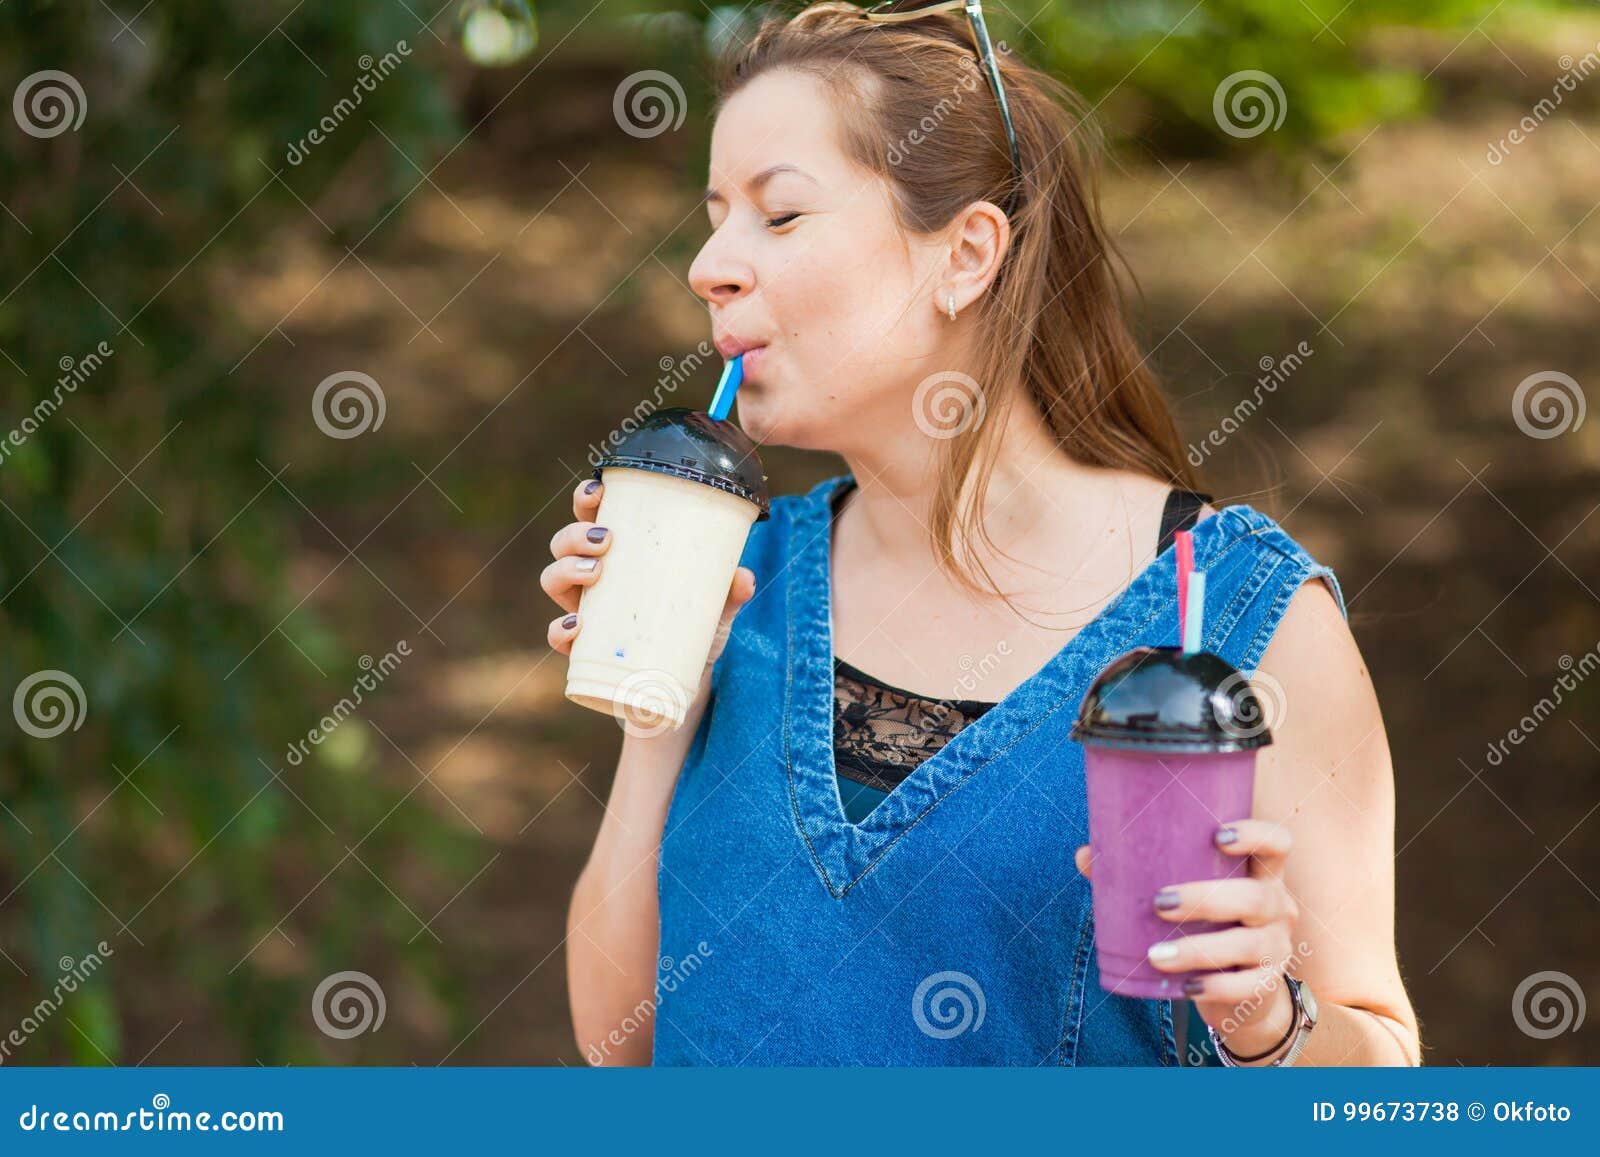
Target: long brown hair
<point x="1053" y="319"/>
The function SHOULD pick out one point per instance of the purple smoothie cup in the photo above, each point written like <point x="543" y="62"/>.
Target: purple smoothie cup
<point x="1170" y="740"/>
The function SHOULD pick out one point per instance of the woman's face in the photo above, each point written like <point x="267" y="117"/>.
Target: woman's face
<point x="806" y="260"/>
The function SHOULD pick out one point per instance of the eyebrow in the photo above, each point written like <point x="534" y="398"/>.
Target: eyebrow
<point x="711" y="196"/>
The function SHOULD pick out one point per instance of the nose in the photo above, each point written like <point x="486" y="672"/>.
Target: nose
<point x="718" y="276"/>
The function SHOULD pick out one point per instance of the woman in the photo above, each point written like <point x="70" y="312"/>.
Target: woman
<point x="823" y="867"/>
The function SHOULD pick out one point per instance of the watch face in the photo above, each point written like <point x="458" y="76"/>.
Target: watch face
<point x="1307" y="1001"/>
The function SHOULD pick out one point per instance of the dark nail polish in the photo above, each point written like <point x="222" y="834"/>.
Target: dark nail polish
<point x="1166" y="899"/>
<point x="591" y="486"/>
<point x="1193" y="986"/>
<point x="569" y="622"/>
<point x="597" y="534"/>
<point x="1226" y="835"/>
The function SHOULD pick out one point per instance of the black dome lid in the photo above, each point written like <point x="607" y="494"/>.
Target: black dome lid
<point x="692" y="444"/>
<point x="1161" y="699"/>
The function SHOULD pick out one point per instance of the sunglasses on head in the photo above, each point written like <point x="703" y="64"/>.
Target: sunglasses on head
<point x="896" y="10"/>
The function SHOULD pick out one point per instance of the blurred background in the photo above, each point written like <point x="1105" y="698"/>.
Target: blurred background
<point x="311" y="313"/>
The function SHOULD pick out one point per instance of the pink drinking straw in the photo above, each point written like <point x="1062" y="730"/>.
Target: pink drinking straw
<point x="1185" y="569"/>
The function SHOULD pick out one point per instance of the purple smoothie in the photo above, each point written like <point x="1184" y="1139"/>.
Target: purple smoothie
<point x="1170" y="741"/>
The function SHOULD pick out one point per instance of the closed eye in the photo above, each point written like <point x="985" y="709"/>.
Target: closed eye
<point x="776" y="222"/>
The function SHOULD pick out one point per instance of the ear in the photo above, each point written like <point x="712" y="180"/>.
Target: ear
<point x="978" y="239"/>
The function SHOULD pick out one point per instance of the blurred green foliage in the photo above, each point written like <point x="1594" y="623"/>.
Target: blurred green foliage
<point x="158" y="823"/>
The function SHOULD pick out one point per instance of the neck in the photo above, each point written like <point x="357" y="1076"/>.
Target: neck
<point x="1033" y="483"/>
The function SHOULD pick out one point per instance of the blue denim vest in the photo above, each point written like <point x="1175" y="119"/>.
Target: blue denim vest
<point x="950" y="926"/>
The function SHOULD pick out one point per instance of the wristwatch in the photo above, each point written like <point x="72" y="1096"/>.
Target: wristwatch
<point x="1305" y="1019"/>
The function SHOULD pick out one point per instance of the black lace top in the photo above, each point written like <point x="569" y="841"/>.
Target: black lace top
<point x="882" y="732"/>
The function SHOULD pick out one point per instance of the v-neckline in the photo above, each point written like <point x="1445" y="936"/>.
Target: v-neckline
<point x="844" y="852"/>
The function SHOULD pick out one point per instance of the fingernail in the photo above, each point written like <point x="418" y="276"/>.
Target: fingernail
<point x="1163" y="951"/>
<point x="569" y="622"/>
<point x="1167" y="898"/>
<point x="591" y="486"/>
<point x="1193" y="986"/>
<point x="1226" y="835"/>
<point x="585" y="565"/>
<point x="597" y="534"/>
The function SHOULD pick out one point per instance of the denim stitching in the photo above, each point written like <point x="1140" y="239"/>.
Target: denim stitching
<point x="1079" y="970"/>
<point x="1162" y="610"/>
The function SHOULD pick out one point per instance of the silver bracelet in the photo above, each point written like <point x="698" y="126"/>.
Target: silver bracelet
<point x="1305" y="1019"/>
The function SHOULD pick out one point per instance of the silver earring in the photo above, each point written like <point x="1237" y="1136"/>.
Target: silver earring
<point x="951" y="305"/>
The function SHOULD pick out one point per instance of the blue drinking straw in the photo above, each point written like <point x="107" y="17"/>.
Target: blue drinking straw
<point x="1193" y="625"/>
<point x="732" y="375"/>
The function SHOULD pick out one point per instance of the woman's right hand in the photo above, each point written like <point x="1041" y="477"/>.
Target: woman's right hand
<point x="583" y="542"/>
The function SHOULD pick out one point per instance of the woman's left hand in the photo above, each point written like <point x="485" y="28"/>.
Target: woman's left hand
<point x="1257" y="952"/>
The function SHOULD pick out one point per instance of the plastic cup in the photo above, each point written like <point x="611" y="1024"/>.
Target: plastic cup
<point x="1170" y="740"/>
<point x="681" y="493"/>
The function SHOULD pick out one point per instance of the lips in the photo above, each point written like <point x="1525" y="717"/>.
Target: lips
<point x="731" y="346"/>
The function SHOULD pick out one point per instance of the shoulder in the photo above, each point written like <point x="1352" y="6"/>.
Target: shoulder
<point x="1291" y="563"/>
